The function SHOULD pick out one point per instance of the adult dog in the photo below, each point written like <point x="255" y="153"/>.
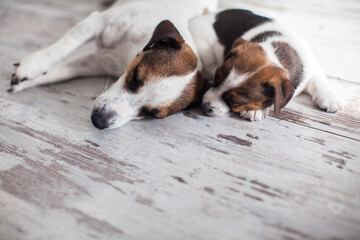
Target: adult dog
<point x="159" y="73"/>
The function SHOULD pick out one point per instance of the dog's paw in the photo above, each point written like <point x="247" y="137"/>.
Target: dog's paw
<point x="329" y="101"/>
<point x="30" y="67"/>
<point x="255" y="115"/>
<point x="17" y="85"/>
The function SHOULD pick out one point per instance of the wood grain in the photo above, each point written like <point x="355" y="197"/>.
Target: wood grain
<point x="188" y="176"/>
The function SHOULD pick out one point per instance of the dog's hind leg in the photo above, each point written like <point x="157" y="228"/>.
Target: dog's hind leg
<point x="86" y="66"/>
<point x="322" y="94"/>
<point x="37" y="63"/>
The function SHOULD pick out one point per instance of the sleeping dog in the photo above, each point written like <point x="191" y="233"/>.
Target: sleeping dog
<point x="255" y="62"/>
<point x="159" y="73"/>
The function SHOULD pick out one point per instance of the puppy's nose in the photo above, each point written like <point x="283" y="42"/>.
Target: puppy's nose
<point x="99" y="120"/>
<point x="207" y="107"/>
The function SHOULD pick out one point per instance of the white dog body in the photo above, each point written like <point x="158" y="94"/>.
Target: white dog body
<point x="120" y="32"/>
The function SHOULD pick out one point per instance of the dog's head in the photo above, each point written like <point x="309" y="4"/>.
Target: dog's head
<point x="247" y="80"/>
<point x="161" y="80"/>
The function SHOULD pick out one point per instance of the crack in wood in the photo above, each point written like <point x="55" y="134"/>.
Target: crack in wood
<point x="235" y="140"/>
<point x="253" y="197"/>
<point x="179" y="179"/>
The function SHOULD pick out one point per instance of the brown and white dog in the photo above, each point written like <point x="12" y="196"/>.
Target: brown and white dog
<point x="255" y="62"/>
<point x="157" y="80"/>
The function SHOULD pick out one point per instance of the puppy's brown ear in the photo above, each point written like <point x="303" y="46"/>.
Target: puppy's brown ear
<point x="165" y="36"/>
<point x="238" y="42"/>
<point x="283" y="92"/>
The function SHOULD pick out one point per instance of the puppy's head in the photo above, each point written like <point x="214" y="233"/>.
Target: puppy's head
<point x="161" y="80"/>
<point x="247" y="80"/>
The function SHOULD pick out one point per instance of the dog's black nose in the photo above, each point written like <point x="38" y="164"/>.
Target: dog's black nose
<point x="207" y="107"/>
<point x="99" y="120"/>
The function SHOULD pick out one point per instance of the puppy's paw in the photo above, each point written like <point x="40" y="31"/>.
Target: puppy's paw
<point x="329" y="101"/>
<point x="31" y="66"/>
<point x="255" y="115"/>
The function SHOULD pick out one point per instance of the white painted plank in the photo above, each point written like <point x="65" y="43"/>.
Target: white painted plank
<point x="209" y="166"/>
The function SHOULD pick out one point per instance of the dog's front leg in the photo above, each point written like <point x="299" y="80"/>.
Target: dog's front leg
<point x="87" y="66"/>
<point x="39" y="62"/>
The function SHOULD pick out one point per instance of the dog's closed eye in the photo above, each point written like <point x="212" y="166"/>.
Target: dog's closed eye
<point x="234" y="100"/>
<point x="229" y="55"/>
<point x="135" y="82"/>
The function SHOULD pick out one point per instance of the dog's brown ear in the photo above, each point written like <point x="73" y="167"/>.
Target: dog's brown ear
<point x="283" y="92"/>
<point x="165" y="36"/>
<point x="238" y="42"/>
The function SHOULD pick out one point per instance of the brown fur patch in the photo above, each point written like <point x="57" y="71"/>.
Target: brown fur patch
<point x="290" y="60"/>
<point x="157" y="64"/>
<point x="245" y="57"/>
<point x="165" y="55"/>
<point x="268" y="86"/>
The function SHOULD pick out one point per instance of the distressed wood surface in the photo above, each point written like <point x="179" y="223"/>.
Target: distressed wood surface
<point x="189" y="176"/>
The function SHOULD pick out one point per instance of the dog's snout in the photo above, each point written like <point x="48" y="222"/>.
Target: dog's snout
<point x="99" y="120"/>
<point x="207" y="107"/>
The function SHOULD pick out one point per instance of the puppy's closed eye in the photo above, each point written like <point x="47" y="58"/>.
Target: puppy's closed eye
<point x="229" y="55"/>
<point x="233" y="100"/>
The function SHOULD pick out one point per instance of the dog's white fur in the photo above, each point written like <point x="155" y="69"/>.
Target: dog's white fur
<point x="120" y="33"/>
<point x="211" y="54"/>
<point x="154" y="94"/>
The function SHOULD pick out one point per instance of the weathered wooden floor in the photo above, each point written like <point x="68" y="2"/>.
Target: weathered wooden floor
<point x="296" y="176"/>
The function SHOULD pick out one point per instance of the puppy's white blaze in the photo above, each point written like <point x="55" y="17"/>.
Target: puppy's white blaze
<point x="269" y="50"/>
<point x="234" y="80"/>
<point x="214" y="95"/>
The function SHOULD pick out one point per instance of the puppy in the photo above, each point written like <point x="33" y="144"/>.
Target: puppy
<point x="255" y="62"/>
<point x="157" y="80"/>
